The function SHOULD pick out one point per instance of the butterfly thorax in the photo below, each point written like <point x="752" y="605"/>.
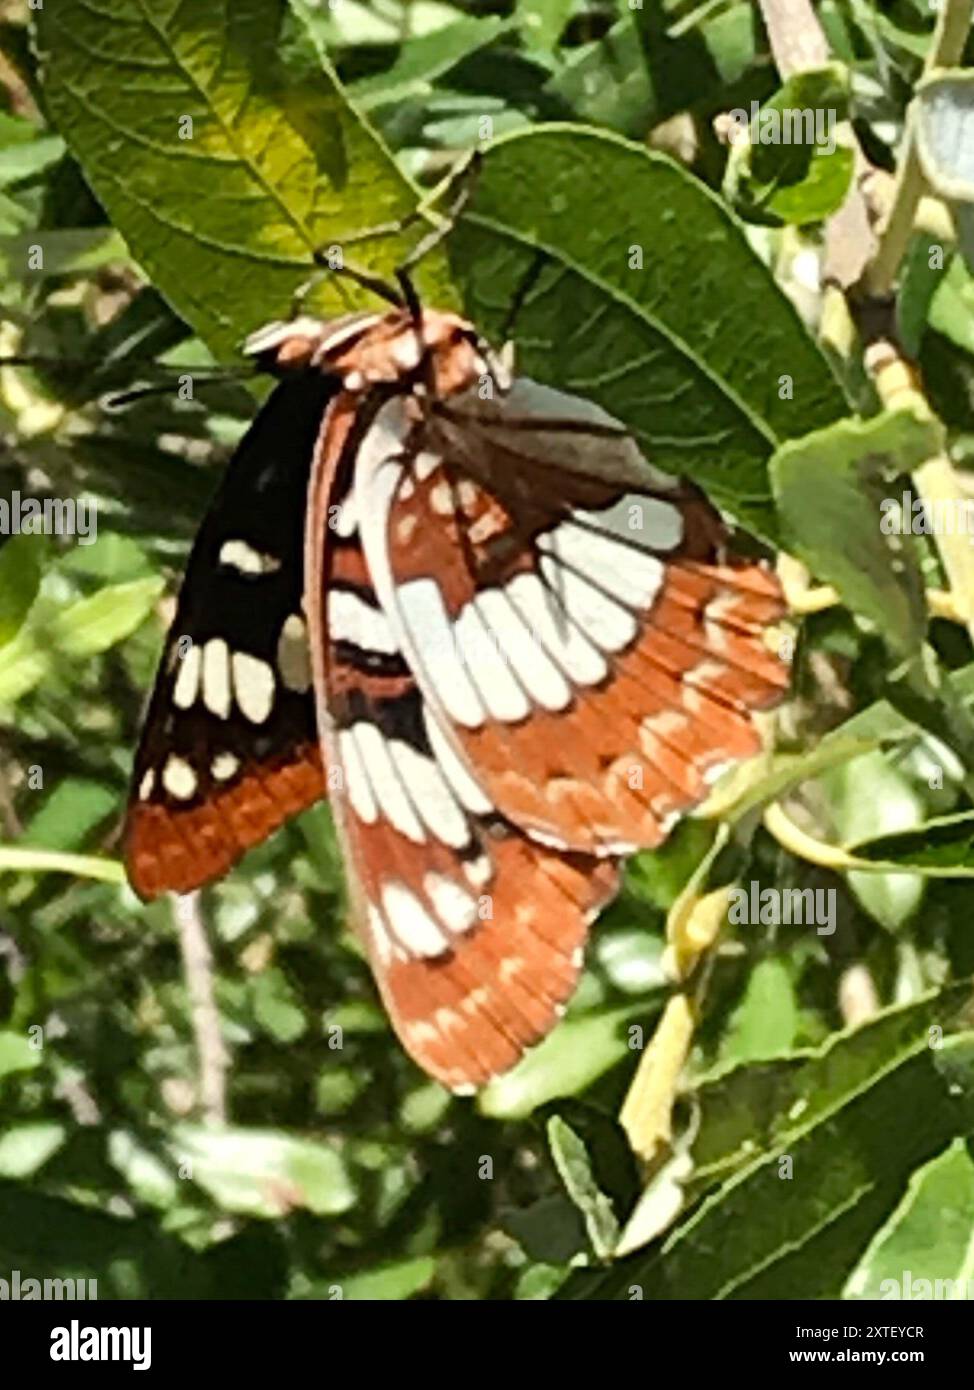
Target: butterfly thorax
<point x="438" y="350"/>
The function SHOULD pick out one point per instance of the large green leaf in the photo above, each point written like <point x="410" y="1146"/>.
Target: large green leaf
<point x="829" y="488"/>
<point x="822" y="1146"/>
<point x="697" y="351"/>
<point x="928" y="1237"/>
<point x="223" y="149"/>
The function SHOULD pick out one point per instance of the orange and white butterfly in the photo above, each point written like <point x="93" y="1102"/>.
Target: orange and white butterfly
<point x="521" y="652"/>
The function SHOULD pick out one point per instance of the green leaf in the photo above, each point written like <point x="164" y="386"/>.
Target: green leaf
<point x="542" y="21"/>
<point x="830" y="491"/>
<point x="687" y="351"/>
<point x="944" y="124"/>
<point x="262" y="1172"/>
<point x="74" y="808"/>
<point x="774" y="177"/>
<point x="26" y="1147"/>
<point x="21" y="159"/>
<point x="276" y="1008"/>
<point x="575" y="1169"/>
<point x="921" y="273"/>
<point x="606" y="82"/>
<point x="941" y="846"/>
<point x="71" y="250"/>
<point x="866" y="798"/>
<point x="20" y="577"/>
<point x="752" y="1107"/>
<point x="824" y="1159"/>
<point x="16" y="1053"/>
<point x="952" y="305"/>
<point x="423" y="60"/>
<point x="766" y="1021"/>
<point x="94" y="624"/>
<point x="287" y="163"/>
<point x="568" y="1061"/>
<point x="391" y="1283"/>
<point x="927" y="1238"/>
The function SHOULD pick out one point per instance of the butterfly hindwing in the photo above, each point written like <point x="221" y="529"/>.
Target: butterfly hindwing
<point x="229" y="748"/>
<point x="474" y="933"/>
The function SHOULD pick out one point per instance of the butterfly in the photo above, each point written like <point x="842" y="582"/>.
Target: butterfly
<point x="464" y="606"/>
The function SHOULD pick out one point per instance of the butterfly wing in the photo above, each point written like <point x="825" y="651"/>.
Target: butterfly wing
<point x="229" y="747"/>
<point x="594" y="656"/>
<point x="474" y="932"/>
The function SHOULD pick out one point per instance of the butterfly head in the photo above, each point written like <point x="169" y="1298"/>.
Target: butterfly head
<point x="368" y="349"/>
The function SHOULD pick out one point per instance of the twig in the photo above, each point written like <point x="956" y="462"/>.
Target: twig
<point x="198" y="970"/>
<point x="953" y="24"/>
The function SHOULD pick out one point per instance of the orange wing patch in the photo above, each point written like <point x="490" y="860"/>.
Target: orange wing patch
<point x="171" y="848"/>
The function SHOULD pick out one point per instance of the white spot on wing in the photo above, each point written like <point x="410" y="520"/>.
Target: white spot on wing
<point x="625" y="571"/>
<point x="240" y="556"/>
<point x="146" y="785"/>
<point x="434" y="801"/>
<point x="425" y="464"/>
<point x="454" y="906"/>
<point x="188" y="680"/>
<point x="411" y="923"/>
<point x="479" y="871"/>
<point x="441" y="499"/>
<point x="351" y="619"/>
<point x="499" y="690"/>
<point x="178" y="778"/>
<point x="223" y="766"/>
<point x="529" y="660"/>
<point x="345" y="521"/>
<point x="253" y="686"/>
<point x="386" y="782"/>
<point x="359" y="788"/>
<point x="466" y="788"/>
<point x="544" y="614"/>
<point x="216" y="677"/>
<point x="293" y="657"/>
<point x="426" y="615"/>
<point x="610" y="626"/>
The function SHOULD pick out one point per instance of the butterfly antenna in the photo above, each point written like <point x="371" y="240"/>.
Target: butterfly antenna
<point x="169" y="388"/>
<point x="465" y="179"/>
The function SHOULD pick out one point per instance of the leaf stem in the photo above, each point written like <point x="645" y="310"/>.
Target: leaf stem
<point x="44" y="861"/>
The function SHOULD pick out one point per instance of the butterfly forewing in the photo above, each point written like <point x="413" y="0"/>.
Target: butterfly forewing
<point x="229" y="748"/>
<point x="593" y="657"/>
